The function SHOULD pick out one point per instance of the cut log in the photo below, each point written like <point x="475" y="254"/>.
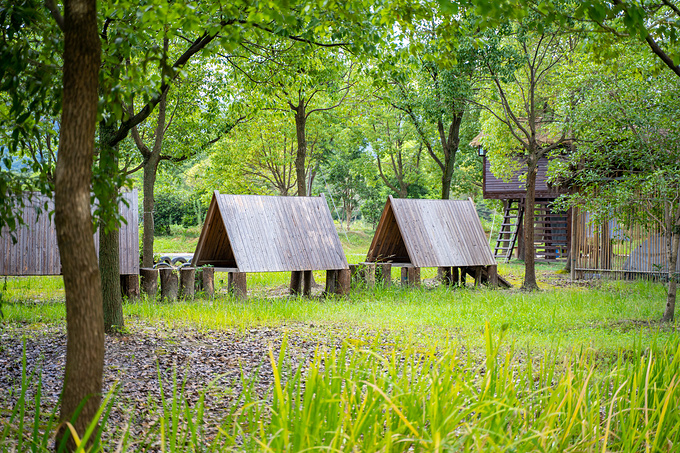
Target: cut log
<point x="169" y="284"/>
<point x="369" y="274"/>
<point x="238" y="284"/>
<point x="207" y="281"/>
<point x="384" y="271"/>
<point x="295" y="283"/>
<point x="307" y="283"/>
<point x="149" y="279"/>
<point x="129" y="286"/>
<point x="343" y="282"/>
<point x="187" y="282"/>
<point x="331" y="282"/>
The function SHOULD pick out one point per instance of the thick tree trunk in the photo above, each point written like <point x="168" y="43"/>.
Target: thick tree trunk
<point x="150" y="170"/>
<point x="529" y="249"/>
<point x="109" y="238"/>
<point x="73" y="220"/>
<point x="672" y="245"/>
<point x="301" y="156"/>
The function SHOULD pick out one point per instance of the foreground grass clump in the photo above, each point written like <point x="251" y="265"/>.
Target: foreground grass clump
<point x="370" y="396"/>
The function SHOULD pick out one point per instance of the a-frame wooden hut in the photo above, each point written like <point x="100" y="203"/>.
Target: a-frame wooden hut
<point x="447" y="234"/>
<point x="253" y="233"/>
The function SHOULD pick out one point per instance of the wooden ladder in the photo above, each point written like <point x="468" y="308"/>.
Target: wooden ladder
<point x="507" y="235"/>
<point x="550" y="232"/>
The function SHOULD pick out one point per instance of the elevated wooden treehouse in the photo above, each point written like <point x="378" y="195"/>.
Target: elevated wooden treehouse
<point x="552" y="239"/>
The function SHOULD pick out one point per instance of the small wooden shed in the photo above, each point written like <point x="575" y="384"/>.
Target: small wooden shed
<point x="447" y="234"/>
<point x="255" y="233"/>
<point x="36" y="251"/>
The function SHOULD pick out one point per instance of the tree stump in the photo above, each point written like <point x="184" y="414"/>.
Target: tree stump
<point x="238" y="284"/>
<point x="493" y="276"/>
<point x="207" y="281"/>
<point x="149" y="279"/>
<point x="307" y="283"/>
<point x="384" y="273"/>
<point x="410" y="276"/>
<point x="295" y="283"/>
<point x="187" y="282"/>
<point x="331" y="282"/>
<point x="129" y="286"/>
<point x="369" y="275"/>
<point x="354" y="271"/>
<point x="343" y="282"/>
<point x="169" y="284"/>
<point x="478" y="276"/>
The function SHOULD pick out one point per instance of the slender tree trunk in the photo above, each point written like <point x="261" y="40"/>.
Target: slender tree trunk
<point x="73" y="220"/>
<point x="450" y="149"/>
<point x="150" y="171"/>
<point x="301" y="156"/>
<point x="109" y="238"/>
<point x="672" y="245"/>
<point x="529" y="249"/>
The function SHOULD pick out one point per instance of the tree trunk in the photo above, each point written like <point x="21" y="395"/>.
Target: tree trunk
<point x="150" y="170"/>
<point x="672" y="245"/>
<point x="450" y="149"/>
<point x="301" y="156"/>
<point x="109" y="238"/>
<point x="73" y="220"/>
<point x="529" y="249"/>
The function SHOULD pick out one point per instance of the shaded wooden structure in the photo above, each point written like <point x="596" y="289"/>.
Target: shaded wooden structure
<point x="609" y="248"/>
<point x="447" y="234"/>
<point x="552" y="227"/>
<point x="254" y="233"/>
<point x="36" y="251"/>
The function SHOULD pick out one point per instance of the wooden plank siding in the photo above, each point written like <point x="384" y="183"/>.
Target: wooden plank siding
<point x="496" y="188"/>
<point x="430" y="233"/>
<point x="36" y="251"/>
<point x="255" y="233"/>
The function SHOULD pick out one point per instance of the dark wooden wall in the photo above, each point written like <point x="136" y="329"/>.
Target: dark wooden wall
<point x="36" y="251"/>
<point x="496" y="188"/>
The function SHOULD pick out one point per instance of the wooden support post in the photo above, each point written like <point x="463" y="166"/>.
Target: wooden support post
<point x="463" y="274"/>
<point x="343" y="282"/>
<point x="207" y="281"/>
<point x="169" y="283"/>
<point x="149" y="279"/>
<point x="306" y="283"/>
<point x="369" y="274"/>
<point x="404" y="276"/>
<point x="446" y="276"/>
<point x="331" y="282"/>
<point x="295" y="283"/>
<point x="493" y="276"/>
<point x="129" y="286"/>
<point x="414" y="276"/>
<point x="187" y="282"/>
<point x="478" y="275"/>
<point x="238" y="284"/>
<point x="455" y="276"/>
<point x="385" y="274"/>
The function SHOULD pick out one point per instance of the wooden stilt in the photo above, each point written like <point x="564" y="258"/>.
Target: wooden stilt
<point x="404" y="276"/>
<point x="455" y="276"/>
<point x="307" y="283"/>
<point x="208" y="281"/>
<point x="295" y="283"/>
<point x="414" y="276"/>
<point x="149" y="279"/>
<point x="369" y="274"/>
<point x="331" y="282"/>
<point x="238" y="284"/>
<point x="343" y="283"/>
<point x="478" y="275"/>
<point x="385" y="272"/>
<point x="493" y="276"/>
<point x="447" y="278"/>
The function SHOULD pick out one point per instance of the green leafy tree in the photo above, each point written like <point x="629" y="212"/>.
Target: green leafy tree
<point x="521" y="124"/>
